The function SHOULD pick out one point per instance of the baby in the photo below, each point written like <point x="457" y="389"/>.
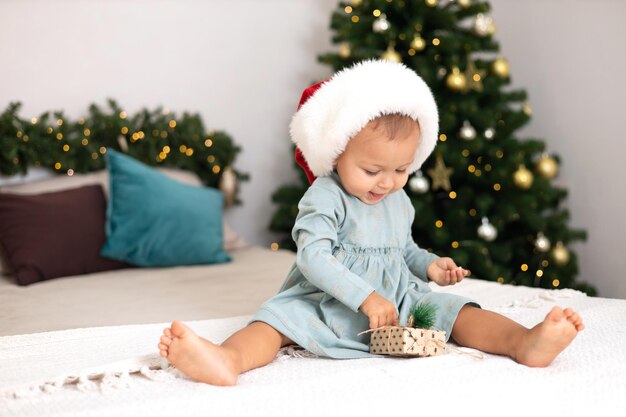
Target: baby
<point x="359" y="135"/>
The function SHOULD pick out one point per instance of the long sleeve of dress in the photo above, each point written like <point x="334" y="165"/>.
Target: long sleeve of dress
<point x="321" y="213"/>
<point x="417" y="259"/>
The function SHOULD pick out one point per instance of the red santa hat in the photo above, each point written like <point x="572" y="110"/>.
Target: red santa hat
<point x="331" y="112"/>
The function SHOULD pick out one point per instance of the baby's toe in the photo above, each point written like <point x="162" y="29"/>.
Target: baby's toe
<point x="163" y="353"/>
<point x="167" y="332"/>
<point x="166" y="340"/>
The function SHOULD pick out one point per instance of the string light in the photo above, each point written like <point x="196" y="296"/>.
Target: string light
<point x="66" y="148"/>
<point x="59" y="136"/>
<point x="70" y="172"/>
<point x="122" y="115"/>
<point x="84" y="142"/>
<point x="216" y="169"/>
<point x="57" y="166"/>
<point x="33" y="120"/>
<point x="452" y="195"/>
<point x="455" y="244"/>
<point x="438" y="224"/>
<point x="172" y="124"/>
<point x="59" y="122"/>
<point x="124" y="130"/>
<point x="376" y="13"/>
<point x="274" y="246"/>
<point x="182" y="148"/>
<point x="555" y="283"/>
<point x="103" y="150"/>
<point x="524" y="267"/>
<point x="208" y="143"/>
<point x="355" y="19"/>
<point x="210" y="159"/>
<point x="49" y="130"/>
<point x="500" y="280"/>
<point x="443" y="137"/>
<point x="348" y="9"/>
<point x="497" y="187"/>
<point x="189" y="152"/>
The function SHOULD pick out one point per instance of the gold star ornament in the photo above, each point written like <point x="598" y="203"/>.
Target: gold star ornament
<point x="440" y="175"/>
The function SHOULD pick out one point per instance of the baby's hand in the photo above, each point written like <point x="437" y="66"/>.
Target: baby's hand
<point x="445" y="272"/>
<point x="380" y="311"/>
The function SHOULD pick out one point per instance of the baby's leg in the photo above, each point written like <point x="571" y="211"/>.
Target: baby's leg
<point x="251" y="347"/>
<point x="536" y="347"/>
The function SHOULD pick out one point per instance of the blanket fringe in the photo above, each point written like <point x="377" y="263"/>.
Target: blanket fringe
<point x="547" y="296"/>
<point x="100" y="381"/>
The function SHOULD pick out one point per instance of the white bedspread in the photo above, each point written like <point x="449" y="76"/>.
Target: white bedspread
<point x="588" y="378"/>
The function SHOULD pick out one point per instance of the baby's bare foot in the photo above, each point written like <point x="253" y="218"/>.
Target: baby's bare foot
<point x="546" y="340"/>
<point x="196" y="357"/>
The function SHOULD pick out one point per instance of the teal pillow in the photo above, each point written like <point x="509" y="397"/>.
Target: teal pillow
<point x="154" y="221"/>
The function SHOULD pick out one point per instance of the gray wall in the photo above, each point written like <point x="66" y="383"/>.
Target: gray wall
<point x="242" y="65"/>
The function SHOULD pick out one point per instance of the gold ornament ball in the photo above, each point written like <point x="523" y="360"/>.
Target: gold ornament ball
<point x="391" y="55"/>
<point x="523" y="178"/>
<point x="418" y="43"/>
<point x="560" y="254"/>
<point x="547" y="167"/>
<point x="464" y="3"/>
<point x="456" y="80"/>
<point x="528" y="111"/>
<point x="344" y="50"/>
<point x="432" y="3"/>
<point x="500" y="67"/>
<point x="356" y="2"/>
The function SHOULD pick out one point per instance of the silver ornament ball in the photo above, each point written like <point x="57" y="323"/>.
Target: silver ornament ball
<point x="542" y="243"/>
<point x="467" y="131"/>
<point x="487" y="231"/>
<point x="381" y="24"/>
<point x="419" y="184"/>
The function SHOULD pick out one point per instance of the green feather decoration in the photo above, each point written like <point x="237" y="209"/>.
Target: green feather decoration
<point x="422" y="316"/>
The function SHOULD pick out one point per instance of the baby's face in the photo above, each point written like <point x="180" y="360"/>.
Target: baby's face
<point x="373" y="166"/>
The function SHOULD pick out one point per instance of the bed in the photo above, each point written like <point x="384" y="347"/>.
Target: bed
<point x="86" y="345"/>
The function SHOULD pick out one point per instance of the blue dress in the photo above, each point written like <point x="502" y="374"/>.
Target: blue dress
<point x="346" y="250"/>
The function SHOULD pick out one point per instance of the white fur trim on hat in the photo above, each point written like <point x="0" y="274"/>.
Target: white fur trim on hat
<point x="353" y="97"/>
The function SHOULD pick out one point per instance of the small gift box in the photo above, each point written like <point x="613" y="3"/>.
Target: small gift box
<point x="407" y="341"/>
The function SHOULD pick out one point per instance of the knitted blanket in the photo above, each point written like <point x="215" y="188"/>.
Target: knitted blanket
<point x="116" y="371"/>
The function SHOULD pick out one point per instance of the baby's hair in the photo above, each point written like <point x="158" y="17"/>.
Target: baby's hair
<point x="393" y="123"/>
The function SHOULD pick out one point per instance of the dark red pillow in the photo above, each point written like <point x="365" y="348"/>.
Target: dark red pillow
<point x="52" y="235"/>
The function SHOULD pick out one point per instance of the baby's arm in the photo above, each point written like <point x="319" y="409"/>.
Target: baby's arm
<point x="321" y="212"/>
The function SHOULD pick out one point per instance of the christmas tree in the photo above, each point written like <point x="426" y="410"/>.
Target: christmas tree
<point x="485" y="197"/>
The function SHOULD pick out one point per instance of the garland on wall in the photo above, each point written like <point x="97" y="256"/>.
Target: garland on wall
<point x="156" y="137"/>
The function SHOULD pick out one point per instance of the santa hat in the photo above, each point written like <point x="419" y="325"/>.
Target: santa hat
<point x="330" y="113"/>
